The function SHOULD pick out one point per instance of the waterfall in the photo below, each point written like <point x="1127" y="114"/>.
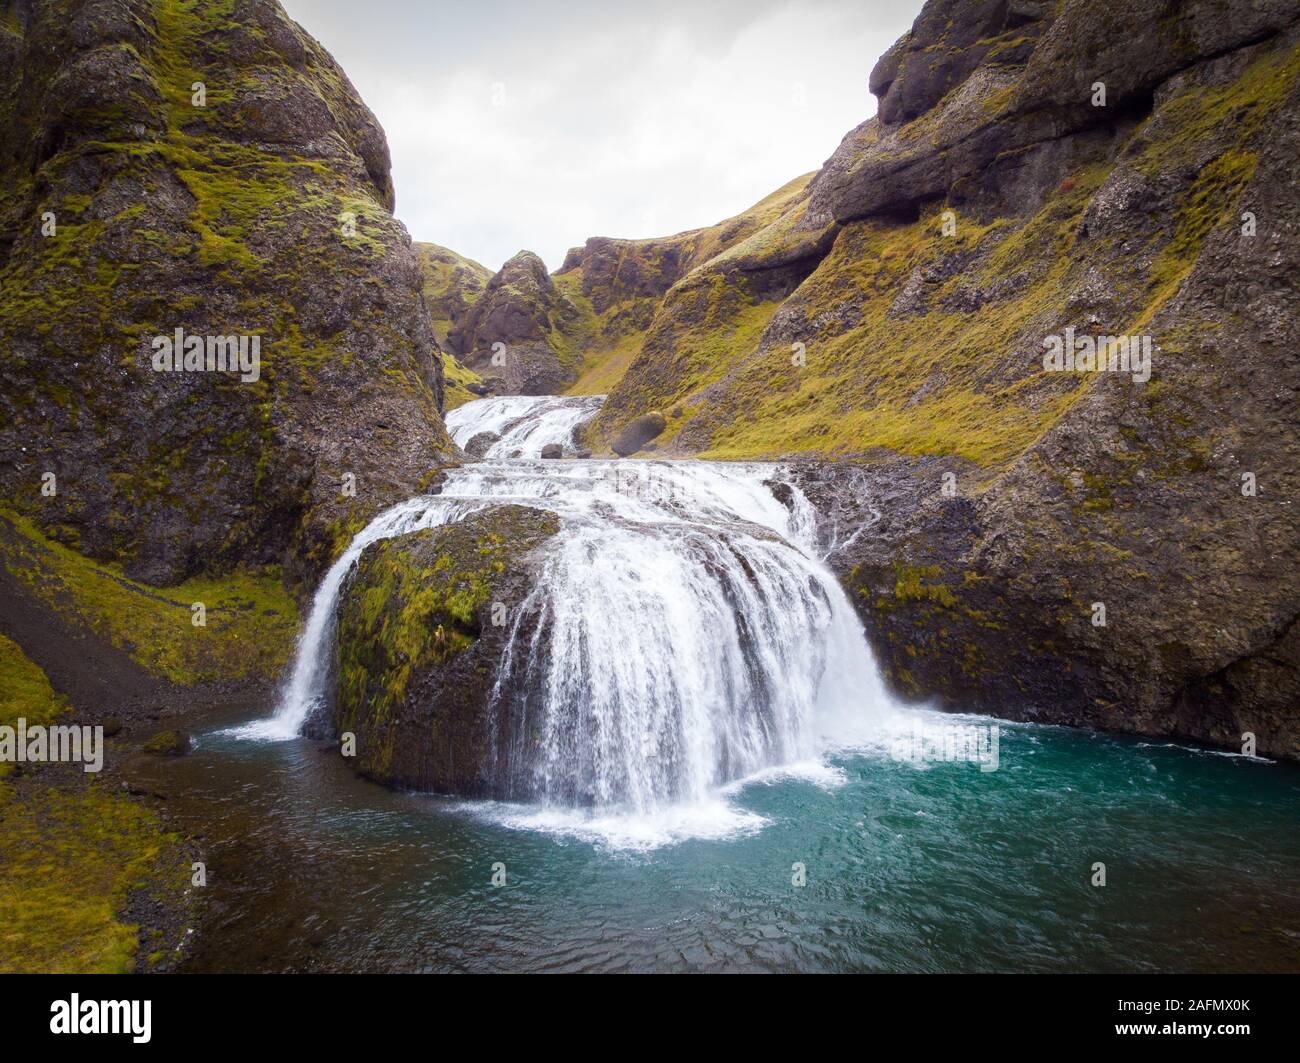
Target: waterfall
<point x="523" y="423"/>
<point x="683" y="632"/>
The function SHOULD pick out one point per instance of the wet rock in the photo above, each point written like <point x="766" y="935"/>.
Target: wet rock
<point x="422" y="624"/>
<point x="552" y="450"/>
<point x="167" y="744"/>
<point x="480" y="444"/>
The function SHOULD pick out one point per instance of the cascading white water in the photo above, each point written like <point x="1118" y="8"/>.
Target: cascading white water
<point x="682" y="633"/>
<point x="523" y="423"/>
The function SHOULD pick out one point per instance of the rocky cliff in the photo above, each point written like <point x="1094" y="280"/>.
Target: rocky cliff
<point x="200" y="173"/>
<point x="524" y="331"/>
<point x="1112" y="546"/>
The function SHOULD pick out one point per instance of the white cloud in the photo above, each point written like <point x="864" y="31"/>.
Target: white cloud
<point x="617" y="119"/>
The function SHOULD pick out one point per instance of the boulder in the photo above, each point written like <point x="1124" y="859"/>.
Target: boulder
<point x="638" y="433"/>
<point x="168" y="744"/>
<point x="480" y="443"/>
<point x="422" y="624"/>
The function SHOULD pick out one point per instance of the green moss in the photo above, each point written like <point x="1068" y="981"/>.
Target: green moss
<point x="911" y="586"/>
<point x="604" y="367"/>
<point x="418" y="601"/>
<point x="961" y="373"/>
<point x="24" y="690"/>
<point x="458" y="377"/>
<point x="68" y="860"/>
<point x="251" y="623"/>
<point x="67" y="864"/>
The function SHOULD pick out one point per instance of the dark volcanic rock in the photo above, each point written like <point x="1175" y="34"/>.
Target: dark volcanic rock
<point x="422" y="624"/>
<point x="513" y="335"/>
<point x="480" y="444"/>
<point x="1001" y="92"/>
<point x="989" y="209"/>
<point x="168" y="744"/>
<point x="128" y="211"/>
<point x="637" y="434"/>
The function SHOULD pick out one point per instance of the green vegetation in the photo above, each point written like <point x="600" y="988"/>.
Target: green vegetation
<point x="458" y="378"/>
<point x="24" y="690"/>
<point x="417" y="600"/>
<point x="68" y="859"/>
<point x="251" y="623"/>
<point x="262" y="212"/>
<point x="452" y="284"/>
<point x="931" y="344"/>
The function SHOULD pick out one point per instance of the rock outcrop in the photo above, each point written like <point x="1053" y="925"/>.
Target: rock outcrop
<point x="579" y="329"/>
<point x="516" y="337"/>
<point x="638" y="433"/>
<point x="422" y="625"/>
<point x="201" y="171"/>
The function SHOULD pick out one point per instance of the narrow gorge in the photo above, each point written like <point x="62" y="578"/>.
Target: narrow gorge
<point x="835" y="587"/>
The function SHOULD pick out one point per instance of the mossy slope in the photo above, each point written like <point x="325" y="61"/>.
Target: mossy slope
<point x="249" y="621"/>
<point x="70" y="858"/>
<point x="452" y="284"/>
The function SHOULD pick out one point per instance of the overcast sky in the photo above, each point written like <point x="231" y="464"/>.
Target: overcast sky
<point x="537" y="123"/>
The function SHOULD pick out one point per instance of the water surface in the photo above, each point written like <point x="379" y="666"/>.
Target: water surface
<point x="910" y="867"/>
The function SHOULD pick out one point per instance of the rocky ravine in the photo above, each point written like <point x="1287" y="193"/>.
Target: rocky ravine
<point x="133" y="204"/>
<point x="1168" y="213"/>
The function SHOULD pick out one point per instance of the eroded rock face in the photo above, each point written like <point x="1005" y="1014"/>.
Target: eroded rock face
<point x="418" y="650"/>
<point x="514" y="337"/>
<point x="1002" y="88"/>
<point x="130" y="208"/>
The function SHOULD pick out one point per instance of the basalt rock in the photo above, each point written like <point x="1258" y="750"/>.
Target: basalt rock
<point x="258" y="206"/>
<point x="639" y="433"/>
<point x="515" y="335"/>
<point x="480" y="443"/>
<point x="422" y="625"/>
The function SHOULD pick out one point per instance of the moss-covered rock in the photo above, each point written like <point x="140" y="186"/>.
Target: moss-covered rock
<point x="169" y="743"/>
<point x="201" y="165"/>
<point x="516" y="336"/>
<point x="422" y="624"/>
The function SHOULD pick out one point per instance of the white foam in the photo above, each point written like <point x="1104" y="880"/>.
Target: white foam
<point x="626" y="829"/>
